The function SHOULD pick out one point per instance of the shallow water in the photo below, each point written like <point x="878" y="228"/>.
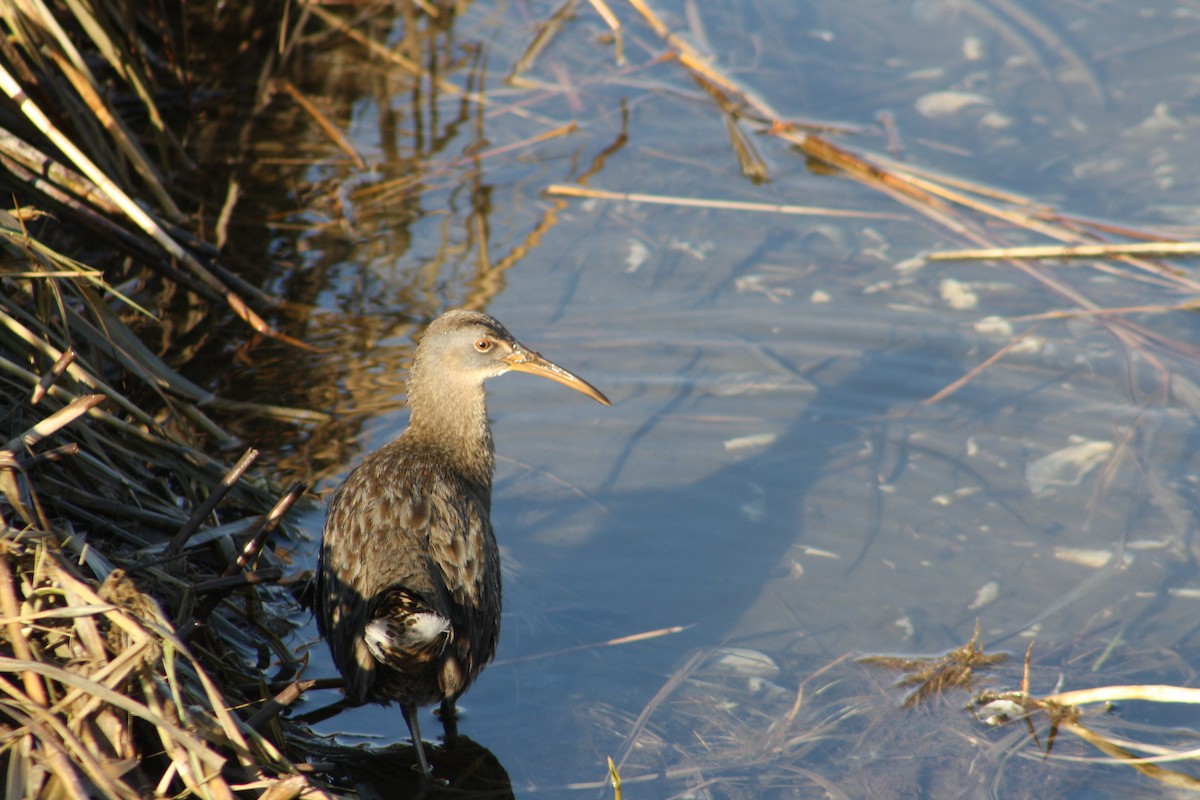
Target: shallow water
<point x="770" y="476"/>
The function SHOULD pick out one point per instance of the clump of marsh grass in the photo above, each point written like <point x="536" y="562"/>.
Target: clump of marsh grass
<point x="101" y="699"/>
<point x="140" y="593"/>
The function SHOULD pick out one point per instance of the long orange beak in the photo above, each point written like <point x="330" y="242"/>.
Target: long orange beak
<point x="524" y="360"/>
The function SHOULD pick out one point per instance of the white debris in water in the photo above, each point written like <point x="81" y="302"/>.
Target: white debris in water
<point x="819" y="297"/>
<point x="999" y="712"/>
<point x="744" y="662"/>
<point x="755" y="509"/>
<point x="698" y="251"/>
<point x="765" y="687"/>
<point x="994" y="326"/>
<point x="1147" y="544"/>
<point x="928" y="74"/>
<point x="986" y="595"/>
<point x="736" y="384"/>
<point x="948" y="499"/>
<point x="1160" y="123"/>
<point x="958" y="295"/>
<point x="938" y="105"/>
<point x="1030" y="344"/>
<point x="818" y="552"/>
<point x="906" y="625"/>
<point x="637" y="255"/>
<point x="972" y="48"/>
<point x="1068" y="466"/>
<point x="763" y="284"/>
<point x="753" y="440"/>
<point x="996" y="121"/>
<point x="1087" y="556"/>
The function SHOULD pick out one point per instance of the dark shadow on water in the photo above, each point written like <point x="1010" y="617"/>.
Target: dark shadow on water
<point x="463" y="769"/>
<point x="696" y="555"/>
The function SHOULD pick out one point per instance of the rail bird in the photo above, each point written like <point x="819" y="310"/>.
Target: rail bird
<point x="408" y="586"/>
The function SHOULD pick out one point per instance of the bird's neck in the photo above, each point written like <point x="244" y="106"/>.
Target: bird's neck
<point x="455" y="425"/>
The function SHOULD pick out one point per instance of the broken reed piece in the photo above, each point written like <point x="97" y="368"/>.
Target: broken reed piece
<point x="228" y="583"/>
<point x="17" y="454"/>
<point x="46" y="381"/>
<point x="207" y="507"/>
<point x="27" y="461"/>
<point x="249" y="552"/>
<point x="272" y="708"/>
<point x="270" y="522"/>
<point x="53" y="423"/>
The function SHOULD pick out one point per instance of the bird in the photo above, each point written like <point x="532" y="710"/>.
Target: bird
<point x="408" y="579"/>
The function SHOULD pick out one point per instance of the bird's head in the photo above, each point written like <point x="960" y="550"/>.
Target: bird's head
<point x="465" y="348"/>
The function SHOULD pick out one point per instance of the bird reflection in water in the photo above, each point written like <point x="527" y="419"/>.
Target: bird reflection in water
<point x="469" y="770"/>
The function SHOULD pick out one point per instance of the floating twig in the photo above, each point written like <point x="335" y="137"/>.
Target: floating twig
<point x="567" y="190"/>
<point x="1167" y="249"/>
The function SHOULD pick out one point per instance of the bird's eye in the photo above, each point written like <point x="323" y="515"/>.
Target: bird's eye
<point x="483" y="345"/>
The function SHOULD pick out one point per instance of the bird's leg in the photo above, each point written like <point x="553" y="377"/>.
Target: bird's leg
<point x="414" y="728"/>
<point x="449" y="715"/>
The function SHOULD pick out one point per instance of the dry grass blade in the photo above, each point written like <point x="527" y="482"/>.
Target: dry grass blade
<point x="8" y="603"/>
<point x="749" y="160"/>
<point x="546" y="33"/>
<point x="975" y="371"/>
<point x="67" y="756"/>
<point x="1145" y="766"/>
<point x="64" y="416"/>
<point x="660" y="697"/>
<point x="10" y="86"/>
<point x="62" y="183"/>
<point x="620" y="640"/>
<point x="695" y="62"/>
<point x="567" y="190"/>
<point x="614" y="777"/>
<point x="331" y="130"/>
<point x="1175" y="249"/>
<point x="614" y="24"/>
<point x="927" y="195"/>
<point x="1113" y="694"/>
<point x="283" y="699"/>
